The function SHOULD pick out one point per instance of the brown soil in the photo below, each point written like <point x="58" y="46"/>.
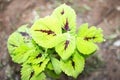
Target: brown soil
<point x="102" y="13"/>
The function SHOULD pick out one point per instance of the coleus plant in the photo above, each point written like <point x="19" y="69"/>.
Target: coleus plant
<point x="52" y="45"/>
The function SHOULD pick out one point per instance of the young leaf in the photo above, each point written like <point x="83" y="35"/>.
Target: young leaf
<point x="67" y="18"/>
<point x="50" y="66"/>
<point x="82" y="30"/>
<point x="47" y="32"/>
<point x="87" y="37"/>
<point x="92" y="34"/>
<point x="20" y="45"/>
<point x="38" y="68"/>
<point x="66" y="48"/>
<point x="22" y="56"/>
<point x="56" y="65"/>
<point x="52" y="74"/>
<point x="99" y="36"/>
<point x="26" y="72"/>
<point x="74" y="66"/>
<point x="37" y="58"/>
<point x="85" y="47"/>
<point x="40" y="76"/>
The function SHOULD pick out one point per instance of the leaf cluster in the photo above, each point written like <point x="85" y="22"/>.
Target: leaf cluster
<point x="52" y="46"/>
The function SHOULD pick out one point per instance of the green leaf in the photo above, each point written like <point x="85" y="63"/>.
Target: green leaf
<point x="37" y="58"/>
<point x="56" y="65"/>
<point x="41" y="76"/>
<point x="86" y="47"/>
<point x="74" y="66"/>
<point x="26" y="72"/>
<point x="22" y="56"/>
<point x="50" y="66"/>
<point x="47" y="32"/>
<point x="67" y="18"/>
<point x="52" y="74"/>
<point x="87" y="37"/>
<point x="20" y="45"/>
<point x="66" y="48"/>
<point x="82" y="30"/>
<point x="99" y="36"/>
<point x="38" y="68"/>
<point x="90" y="34"/>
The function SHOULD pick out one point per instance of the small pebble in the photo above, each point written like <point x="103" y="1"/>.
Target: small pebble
<point x="118" y="8"/>
<point x="117" y="43"/>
